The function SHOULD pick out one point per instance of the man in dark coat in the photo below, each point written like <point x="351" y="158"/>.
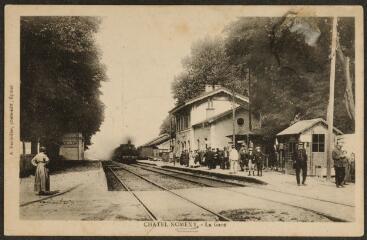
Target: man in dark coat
<point x="243" y="152"/>
<point x="216" y="158"/>
<point x="250" y="158"/>
<point x="221" y="159"/>
<point x="300" y="163"/>
<point x="338" y="157"/>
<point x="259" y="160"/>
<point x="226" y="158"/>
<point x="209" y="158"/>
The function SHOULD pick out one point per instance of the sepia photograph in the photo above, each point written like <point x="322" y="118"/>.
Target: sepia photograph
<point x="184" y="120"/>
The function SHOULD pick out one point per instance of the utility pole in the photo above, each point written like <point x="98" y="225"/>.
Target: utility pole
<point x="249" y="100"/>
<point x="330" y="114"/>
<point x="249" y="108"/>
<point x="233" y="120"/>
<point x="170" y="132"/>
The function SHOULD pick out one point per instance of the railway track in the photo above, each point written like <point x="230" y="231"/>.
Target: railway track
<point x="146" y="209"/>
<point x="242" y="184"/>
<point x="119" y="167"/>
<point x="179" y="174"/>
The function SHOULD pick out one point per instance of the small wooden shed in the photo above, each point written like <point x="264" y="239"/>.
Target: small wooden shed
<point x="312" y="133"/>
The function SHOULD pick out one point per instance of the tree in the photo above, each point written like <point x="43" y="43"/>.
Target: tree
<point x="289" y="62"/>
<point x="165" y="126"/>
<point x="61" y="75"/>
<point x="207" y="64"/>
<point x="289" y="57"/>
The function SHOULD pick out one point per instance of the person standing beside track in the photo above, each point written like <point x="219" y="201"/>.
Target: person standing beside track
<point x="209" y="158"/>
<point x="338" y="157"/>
<point x="226" y="158"/>
<point x="300" y="163"/>
<point x="41" y="177"/>
<point x="233" y="158"/>
<point x="191" y="159"/>
<point x="242" y="160"/>
<point x="251" y="162"/>
<point x="259" y="160"/>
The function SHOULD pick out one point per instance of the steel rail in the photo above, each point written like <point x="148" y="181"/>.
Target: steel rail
<point x="149" y="213"/>
<point x="250" y="186"/>
<point x="193" y="175"/>
<point x="189" y="175"/>
<point x="173" y="176"/>
<point x="335" y="219"/>
<point x="221" y="217"/>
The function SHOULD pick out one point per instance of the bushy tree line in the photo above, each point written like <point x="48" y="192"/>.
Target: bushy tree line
<point x="61" y="75"/>
<point x="289" y="61"/>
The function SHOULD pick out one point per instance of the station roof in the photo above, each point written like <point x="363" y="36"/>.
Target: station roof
<point x="303" y="125"/>
<point x="156" y="141"/>
<point x="209" y="94"/>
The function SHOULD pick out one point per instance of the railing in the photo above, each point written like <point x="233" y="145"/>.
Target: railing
<point x="25" y="167"/>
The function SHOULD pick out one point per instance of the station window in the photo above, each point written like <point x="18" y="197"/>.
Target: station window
<point x="292" y="147"/>
<point x="318" y="142"/>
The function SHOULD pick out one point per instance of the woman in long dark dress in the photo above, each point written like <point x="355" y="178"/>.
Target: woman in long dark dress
<point x="41" y="179"/>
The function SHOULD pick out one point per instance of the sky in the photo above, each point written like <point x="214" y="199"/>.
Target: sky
<point x="142" y="52"/>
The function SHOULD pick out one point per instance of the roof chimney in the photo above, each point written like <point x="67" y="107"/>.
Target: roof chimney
<point x="211" y="87"/>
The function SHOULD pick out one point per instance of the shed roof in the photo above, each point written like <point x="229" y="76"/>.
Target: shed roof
<point x="208" y="94"/>
<point x="158" y="140"/>
<point x="304" y="125"/>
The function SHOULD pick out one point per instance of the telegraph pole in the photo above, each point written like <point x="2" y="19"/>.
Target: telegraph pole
<point x="249" y="108"/>
<point x="233" y="120"/>
<point x="249" y="101"/>
<point x="330" y="114"/>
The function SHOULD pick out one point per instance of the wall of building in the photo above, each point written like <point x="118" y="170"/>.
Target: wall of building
<point x="164" y="146"/>
<point x="182" y="140"/>
<point x="201" y="134"/>
<point x="220" y="104"/>
<point x="72" y="147"/>
<point x="316" y="159"/>
<point x="216" y="133"/>
<point x="224" y="128"/>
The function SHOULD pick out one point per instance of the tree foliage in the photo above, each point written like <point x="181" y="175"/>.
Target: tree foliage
<point x="207" y="64"/>
<point x="61" y="75"/>
<point x="168" y="126"/>
<point x="288" y="58"/>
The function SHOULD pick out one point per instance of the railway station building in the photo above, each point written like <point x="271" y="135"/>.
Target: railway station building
<point x="206" y="120"/>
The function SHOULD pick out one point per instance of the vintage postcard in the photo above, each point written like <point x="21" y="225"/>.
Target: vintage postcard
<point x="184" y="120"/>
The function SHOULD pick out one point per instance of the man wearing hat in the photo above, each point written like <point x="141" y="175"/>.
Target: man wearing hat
<point x="251" y="162"/>
<point x="259" y="160"/>
<point x="209" y="158"/>
<point x="233" y="158"/>
<point x="338" y="156"/>
<point x="242" y="160"/>
<point x="300" y="163"/>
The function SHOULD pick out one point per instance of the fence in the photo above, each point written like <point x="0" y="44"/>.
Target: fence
<point x="25" y="167"/>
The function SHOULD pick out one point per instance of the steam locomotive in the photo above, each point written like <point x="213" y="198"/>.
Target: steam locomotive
<point x="126" y="153"/>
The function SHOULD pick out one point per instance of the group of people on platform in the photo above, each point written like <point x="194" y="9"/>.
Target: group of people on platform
<point x="226" y="158"/>
<point x="247" y="159"/>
